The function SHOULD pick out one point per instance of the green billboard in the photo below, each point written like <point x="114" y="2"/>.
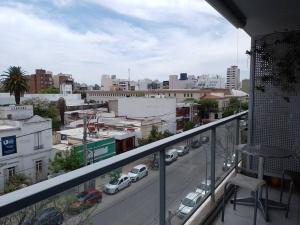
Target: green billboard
<point x="97" y="150"/>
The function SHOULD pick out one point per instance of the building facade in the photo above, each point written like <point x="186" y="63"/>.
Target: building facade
<point x="179" y="94"/>
<point x="26" y="144"/>
<point x="233" y="78"/>
<point x="61" y="78"/>
<point x="184" y="82"/>
<point x="42" y="79"/>
<point x="207" y="81"/>
<point x="147" y="108"/>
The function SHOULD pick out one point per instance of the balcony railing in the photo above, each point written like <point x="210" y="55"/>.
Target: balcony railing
<point x="168" y="192"/>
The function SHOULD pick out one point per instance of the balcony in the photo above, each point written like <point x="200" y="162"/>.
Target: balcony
<point x="152" y="197"/>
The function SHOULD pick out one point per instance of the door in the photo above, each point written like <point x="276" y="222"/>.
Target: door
<point x="121" y="184"/>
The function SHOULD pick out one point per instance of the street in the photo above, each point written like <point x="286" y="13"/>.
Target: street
<point x="139" y="203"/>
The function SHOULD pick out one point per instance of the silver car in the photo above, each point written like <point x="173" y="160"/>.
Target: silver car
<point x="117" y="184"/>
<point x="138" y="172"/>
<point x="171" y="156"/>
<point x="188" y="204"/>
<point x="182" y="149"/>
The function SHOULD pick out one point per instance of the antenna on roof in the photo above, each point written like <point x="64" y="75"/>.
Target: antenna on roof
<point x="237" y="47"/>
<point x="129" y="79"/>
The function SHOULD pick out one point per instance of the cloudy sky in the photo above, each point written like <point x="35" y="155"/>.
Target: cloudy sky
<point x="88" y="38"/>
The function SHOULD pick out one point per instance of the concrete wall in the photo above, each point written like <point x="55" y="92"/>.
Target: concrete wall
<point x="71" y="99"/>
<point x="143" y="108"/>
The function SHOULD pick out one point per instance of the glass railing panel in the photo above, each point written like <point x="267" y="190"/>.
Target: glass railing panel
<point x="127" y="195"/>
<point x="187" y="177"/>
<point x="225" y="150"/>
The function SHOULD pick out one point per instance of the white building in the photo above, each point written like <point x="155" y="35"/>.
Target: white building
<point x="233" y="78"/>
<point x="66" y="88"/>
<point x="26" y="143"/>
<point x="183" y="82"/>
<point x="71" y="99"/>
<point x="207" y="81"/>
<point x="147" y="108"/>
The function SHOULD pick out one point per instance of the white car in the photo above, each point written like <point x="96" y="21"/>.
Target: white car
<point x="117" y="184"/>
<point x="204" y="187"/>
<point x="138" y="172"/>
<point x="171" y="156"/>
<point x="188" y="204"/>
<point x="182" y="149"/>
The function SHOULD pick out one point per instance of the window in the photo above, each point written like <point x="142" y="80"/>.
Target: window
<point x="11" y="171"/>
<point x="38" y="140"/>
<point x="38" y="169"/>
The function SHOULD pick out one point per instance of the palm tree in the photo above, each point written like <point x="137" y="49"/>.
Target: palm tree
<point x="15" y="82"/>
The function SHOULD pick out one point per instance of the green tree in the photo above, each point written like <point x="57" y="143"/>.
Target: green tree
<point x="244" y="105"/>
<point x="44" y="109"/>
<point x="50" y="90"/>
<point x="234" y="102"/>
<point x="187" y="125"/>
<point x="207" y="106"/>
<point x="67" y="161"/>
<point x="61" y="105"/>
<point x="15" y="182"/>
<point x="154" y="135"/>
<point x="15" y="82"/>
<point x="228" y="112"/>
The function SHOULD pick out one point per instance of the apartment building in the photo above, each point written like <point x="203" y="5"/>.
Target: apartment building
<point x="233" y="78"/>
<point x="42" y="79"/>
<point x="26" y="143"/>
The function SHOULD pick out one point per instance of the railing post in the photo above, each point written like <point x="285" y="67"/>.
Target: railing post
<point x="162" y="188"/>
<point x="237" y="141"/>
<point x="213" y="162"/>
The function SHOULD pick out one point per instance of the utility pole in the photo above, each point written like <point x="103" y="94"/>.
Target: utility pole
<point x="84" y="142"/>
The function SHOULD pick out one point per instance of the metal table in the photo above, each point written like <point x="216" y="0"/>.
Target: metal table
<point x="263" y="152"/>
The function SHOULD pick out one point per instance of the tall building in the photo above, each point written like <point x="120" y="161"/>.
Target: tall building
<point x="184" y="82"/>
<point x="207" y="81"/>
<point x="61" y="78"/>
<point x="233" y="78"/>
<point x="42" y="79"/>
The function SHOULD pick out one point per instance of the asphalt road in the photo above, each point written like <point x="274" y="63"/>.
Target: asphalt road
<point x="139" y="204"/>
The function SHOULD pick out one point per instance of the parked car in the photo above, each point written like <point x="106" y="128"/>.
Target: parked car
<point x="203" y="187"/>
<point x="204" y="139"/>
<point x="188" y="204"/>
<point x="171" y="156"/>
<point x="228" y="162"/>
<point x="117" y="184"/>
<point x="196" y="143"/>
<point x="182" y="149"/>
<point x="86" y="199"/>
<point x="138" y="172"/>
<point x="48" y="216"/>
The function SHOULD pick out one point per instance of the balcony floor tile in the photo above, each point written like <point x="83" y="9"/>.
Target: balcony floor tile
<point x="243" y="215"/>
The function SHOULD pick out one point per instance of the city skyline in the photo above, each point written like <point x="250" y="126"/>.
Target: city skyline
<point x="90" y="38"/>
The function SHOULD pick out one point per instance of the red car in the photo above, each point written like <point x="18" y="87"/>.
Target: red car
<point x="87" y="199"/>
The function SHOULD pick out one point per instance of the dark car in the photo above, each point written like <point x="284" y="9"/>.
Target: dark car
<point x="204" y="139"/>
<point x="48" y="216"/>
<point x="196" y="143"/>
<point x="86" y="199"/>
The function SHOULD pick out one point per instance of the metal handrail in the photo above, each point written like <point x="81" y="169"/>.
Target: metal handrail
<point x="25" y="197"/>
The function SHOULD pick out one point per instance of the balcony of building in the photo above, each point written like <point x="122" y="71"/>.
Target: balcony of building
<point x="193" y="165"/>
